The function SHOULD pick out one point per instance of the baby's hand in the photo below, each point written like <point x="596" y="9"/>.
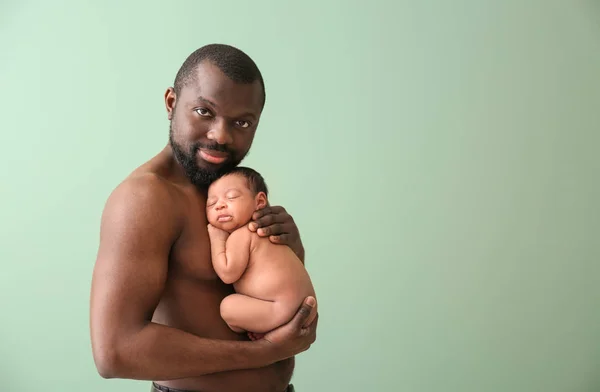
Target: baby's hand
<point x="217" y="234"/>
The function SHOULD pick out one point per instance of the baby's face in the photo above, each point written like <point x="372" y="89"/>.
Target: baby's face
<point x="231" y="203"/>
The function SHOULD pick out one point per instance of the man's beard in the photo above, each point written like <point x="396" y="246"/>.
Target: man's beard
<point x="201" y="177"/>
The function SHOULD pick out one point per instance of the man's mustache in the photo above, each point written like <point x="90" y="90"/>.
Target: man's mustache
<point x="211" y="146"/>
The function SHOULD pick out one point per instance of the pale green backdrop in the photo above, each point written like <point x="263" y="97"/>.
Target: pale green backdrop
<point x="440" y="158"/>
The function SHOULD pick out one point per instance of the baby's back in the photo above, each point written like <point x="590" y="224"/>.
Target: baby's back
<point x="274" y="273"/>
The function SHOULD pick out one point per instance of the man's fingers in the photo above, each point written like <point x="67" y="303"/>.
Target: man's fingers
<point x="270" y="219"/>
<point x="266" y="220"/>
<point x="283" y="239"/>
<point x="263" y="221"/>
<point x="310" y="328"/>
<point x="260" y="213"/>
<point x="274" y="229"/>
<point x="312" y="320"/>
<point x="274" y="210"/>
<point x="304" y="312"/>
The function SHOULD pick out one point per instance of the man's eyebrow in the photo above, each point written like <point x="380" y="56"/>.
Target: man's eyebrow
<point x="248" y="114"/>
<point x="206" y="100"/>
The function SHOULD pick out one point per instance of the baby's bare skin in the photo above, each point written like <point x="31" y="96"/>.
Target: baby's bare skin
<point x="270" y="280"/>
<point x="272" y="283"/>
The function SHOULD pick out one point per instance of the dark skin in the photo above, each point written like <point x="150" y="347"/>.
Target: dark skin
<point x="155" y="296"/>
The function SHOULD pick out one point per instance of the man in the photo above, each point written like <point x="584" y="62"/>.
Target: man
<point x="155" y="296"/>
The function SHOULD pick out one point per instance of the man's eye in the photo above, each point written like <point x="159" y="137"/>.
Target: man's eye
<point x="242" y="123"/>
<point x="203" y="112"/>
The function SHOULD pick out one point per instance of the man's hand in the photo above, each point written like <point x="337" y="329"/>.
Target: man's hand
<point x="217" y="234"/>
<point x="297" y="335"/>
<point x="275" y="223"/>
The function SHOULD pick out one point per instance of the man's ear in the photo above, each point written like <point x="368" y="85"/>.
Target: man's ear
<point x="170" y="101"/>
<point x="261" y="200"/>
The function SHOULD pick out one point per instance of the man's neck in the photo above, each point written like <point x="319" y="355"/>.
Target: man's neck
<point x="173" y="169"/>
<point x="176" y="173"/>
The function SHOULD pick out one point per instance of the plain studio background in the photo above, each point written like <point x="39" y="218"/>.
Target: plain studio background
<point x="440" y="158"/>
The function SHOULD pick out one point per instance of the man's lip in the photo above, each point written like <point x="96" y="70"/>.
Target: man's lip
<point x="213" y="156"/>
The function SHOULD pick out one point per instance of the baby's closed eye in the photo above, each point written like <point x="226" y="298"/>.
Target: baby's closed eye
<point x="233" y="195"/>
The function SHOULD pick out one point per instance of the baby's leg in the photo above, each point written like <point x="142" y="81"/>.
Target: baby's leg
<point x="243" y="313"/>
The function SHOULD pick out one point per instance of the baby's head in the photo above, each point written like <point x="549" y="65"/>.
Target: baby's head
<point x="233" y="198"/>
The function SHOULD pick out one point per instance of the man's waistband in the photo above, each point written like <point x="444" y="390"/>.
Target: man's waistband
<point x="161" y="388"/>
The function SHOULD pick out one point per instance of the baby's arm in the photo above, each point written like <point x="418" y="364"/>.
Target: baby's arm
<point x="230" y="253"/>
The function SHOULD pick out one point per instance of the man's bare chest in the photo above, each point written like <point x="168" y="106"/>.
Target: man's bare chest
<point x="190" y="254"/>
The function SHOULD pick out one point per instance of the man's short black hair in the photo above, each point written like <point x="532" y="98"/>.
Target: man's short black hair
<point x="256" y="182"/>
<point x="233" y="62"/>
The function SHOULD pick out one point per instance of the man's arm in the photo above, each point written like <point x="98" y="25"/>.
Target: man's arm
<point x="230" y="253"/>
<point x="137" y="231"/>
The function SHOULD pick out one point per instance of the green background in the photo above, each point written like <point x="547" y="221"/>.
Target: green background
<point x="440" y="158"/>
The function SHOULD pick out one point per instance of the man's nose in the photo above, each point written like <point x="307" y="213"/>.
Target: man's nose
<point x="220" y="132"/>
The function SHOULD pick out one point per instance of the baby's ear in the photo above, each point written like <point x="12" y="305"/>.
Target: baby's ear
<point x="261" y="200"/>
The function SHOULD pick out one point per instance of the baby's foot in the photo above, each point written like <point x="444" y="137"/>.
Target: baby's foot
<point x="255" y="336"/>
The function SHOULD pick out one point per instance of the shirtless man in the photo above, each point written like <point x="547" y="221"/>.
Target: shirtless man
<point x="154" y="311"/>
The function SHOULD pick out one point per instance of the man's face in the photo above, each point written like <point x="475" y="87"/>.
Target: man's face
<point x="213" y="121"/>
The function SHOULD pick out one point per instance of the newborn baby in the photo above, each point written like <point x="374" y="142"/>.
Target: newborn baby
<point x="269" y="279"/>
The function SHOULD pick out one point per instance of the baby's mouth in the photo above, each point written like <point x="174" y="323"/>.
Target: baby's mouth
<point x="224" y="218"/>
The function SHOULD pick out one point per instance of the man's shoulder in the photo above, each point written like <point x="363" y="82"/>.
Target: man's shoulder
<point x="144" y="191"/>
<point x="144" y="185"/>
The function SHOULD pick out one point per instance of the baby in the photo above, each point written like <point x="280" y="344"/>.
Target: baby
<point x="269" y="279"/>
